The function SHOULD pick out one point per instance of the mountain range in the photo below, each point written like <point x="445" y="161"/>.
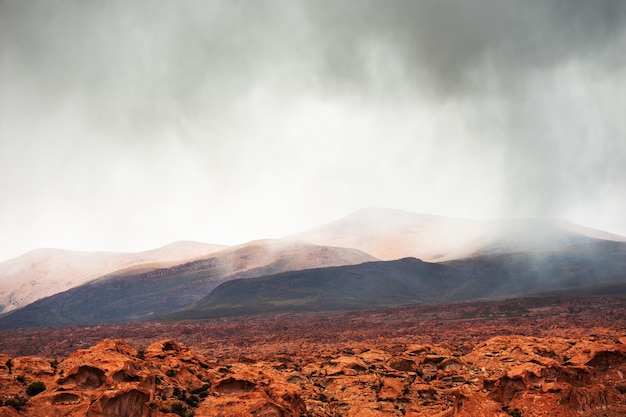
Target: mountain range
<point x="43" y="272"/>
<point x="373" y="257"/>
<point x="595" y="268"/>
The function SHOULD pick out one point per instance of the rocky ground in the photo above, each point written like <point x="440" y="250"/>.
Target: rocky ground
<point x="541" y="357"/>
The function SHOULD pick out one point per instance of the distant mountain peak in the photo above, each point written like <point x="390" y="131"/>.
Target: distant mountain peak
<point x="390" y="234"/>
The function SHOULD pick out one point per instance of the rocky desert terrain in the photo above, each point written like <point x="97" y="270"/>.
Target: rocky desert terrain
<point x="525" y="357"/>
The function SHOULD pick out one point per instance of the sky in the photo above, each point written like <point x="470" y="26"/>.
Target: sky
<point x="126" y="125"/>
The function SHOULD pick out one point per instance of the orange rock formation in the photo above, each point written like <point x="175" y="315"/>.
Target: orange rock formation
<point x="503" y="376"/>
<point x="525" y="358"/>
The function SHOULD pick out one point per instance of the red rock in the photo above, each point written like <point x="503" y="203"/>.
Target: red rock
<point x="402" y="364"/>
<point x="384" y="363"/>
<point x="126" y="401"/>
<point x="8" y="412"/>
<point x="392" y="389"/>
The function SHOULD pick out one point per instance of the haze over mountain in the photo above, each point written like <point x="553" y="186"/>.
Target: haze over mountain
<point x="394" y="234"/>
<point x="501" y="258"/>
<point x="43" y="272"/>
<point x="129" y="124"/>
<point x="592" y="268"/>
<point x="366" y="235"/>
<point x="143" y="292"/>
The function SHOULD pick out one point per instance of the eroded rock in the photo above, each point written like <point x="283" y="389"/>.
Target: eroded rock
<point x="501" y="376"/>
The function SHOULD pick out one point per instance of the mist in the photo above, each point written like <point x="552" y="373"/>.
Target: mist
<point x="129" y="125"/>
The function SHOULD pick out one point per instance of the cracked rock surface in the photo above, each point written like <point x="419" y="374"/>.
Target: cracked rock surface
<point x="505" y="375"/>
<point x="380" y="363"/>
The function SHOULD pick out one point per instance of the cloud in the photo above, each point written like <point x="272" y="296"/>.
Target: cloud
<point x="461" y="47"/>
<point x="129" y="123"/>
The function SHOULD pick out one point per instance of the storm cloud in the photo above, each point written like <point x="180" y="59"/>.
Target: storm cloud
<point x="126" y="125"/>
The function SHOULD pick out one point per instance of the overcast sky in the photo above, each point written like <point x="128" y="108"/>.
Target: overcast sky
<point x="126" y="125"/>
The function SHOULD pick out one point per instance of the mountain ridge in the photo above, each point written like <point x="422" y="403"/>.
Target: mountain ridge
<point x="46" y="271"/>
<point x="140" y="295"/>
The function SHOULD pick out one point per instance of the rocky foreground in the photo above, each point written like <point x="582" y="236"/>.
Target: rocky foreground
<point x="578" y="369"/>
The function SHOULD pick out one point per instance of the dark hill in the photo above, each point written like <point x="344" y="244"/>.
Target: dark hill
<point x="337" y="288"/>
<point x="593" y="268"/>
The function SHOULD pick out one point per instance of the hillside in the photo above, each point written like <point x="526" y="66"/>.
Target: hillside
<point x="323" y="289"/>
<point x="142" y="293"/>
<point x="596" y="267"/>
<point x="44" y="272"/>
